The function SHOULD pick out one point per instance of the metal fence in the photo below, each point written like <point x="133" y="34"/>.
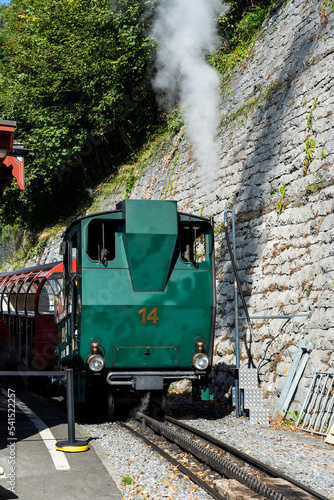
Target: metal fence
<point x="317" y="413"/>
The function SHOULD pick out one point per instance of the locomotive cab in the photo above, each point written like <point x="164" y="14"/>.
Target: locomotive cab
<point x="138" y="304"/>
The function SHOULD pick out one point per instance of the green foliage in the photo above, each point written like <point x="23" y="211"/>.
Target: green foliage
<point x="170" y="179"/>
<point x="3" y="52"/>
<point x="11" y="238"/>
<point x="326" y="7"/>
<point x="293" y="418"/>
<point x="174" y="121"/>
<point x="73" y="73"/>
<point x="244" y="111"/>
<point x="309" y="116"/>
<point x="323" y="154"/>
<point x="202" y="208"/>
<point x="238" y="29"/>
<point x="313" y="188"/>
<point x="294" y="415"/>
<point x="127" y="479"/>
<point x="310" y="141"/>
<point x="18" y="245"/>
<point x="129" y="184"/>
<point x="280" y="204"/>
<point x="309" y="150"/>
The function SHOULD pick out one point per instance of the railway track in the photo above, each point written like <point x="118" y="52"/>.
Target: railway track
<point x="221" y="470"/>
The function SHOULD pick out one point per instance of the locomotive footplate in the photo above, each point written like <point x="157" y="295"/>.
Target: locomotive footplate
<point x="148" y="381"/>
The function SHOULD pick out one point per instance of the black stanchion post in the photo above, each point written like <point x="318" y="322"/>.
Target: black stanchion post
<point x="71" y="445"/>
<point x="70" y="405"/>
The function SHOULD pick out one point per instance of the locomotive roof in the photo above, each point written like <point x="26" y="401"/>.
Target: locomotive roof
<point x="97" y="214"/>
<point x="89" y="216"/>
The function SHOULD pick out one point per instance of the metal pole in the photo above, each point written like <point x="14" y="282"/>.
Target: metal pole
<point x="71" y="445"/>
<point x="70" y="405"/>
<point x="237" y="351"/>
<point x="278" y="316"/>
<point x="236" y="315"/>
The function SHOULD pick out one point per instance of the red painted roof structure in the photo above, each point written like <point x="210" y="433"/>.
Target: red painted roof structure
<point x="11" y="156"/>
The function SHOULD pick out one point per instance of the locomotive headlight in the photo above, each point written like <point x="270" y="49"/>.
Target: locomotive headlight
<point x="200" y="361"/>
<point x="95" y="362"/>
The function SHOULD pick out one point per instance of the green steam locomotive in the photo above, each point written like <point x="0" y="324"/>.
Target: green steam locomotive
<point x="137" y="307"/>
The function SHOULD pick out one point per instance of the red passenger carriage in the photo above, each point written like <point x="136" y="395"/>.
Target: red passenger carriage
<point x="27" y="302"/>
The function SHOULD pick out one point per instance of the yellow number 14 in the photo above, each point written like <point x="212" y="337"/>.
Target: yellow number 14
<point x="152" y="316"/>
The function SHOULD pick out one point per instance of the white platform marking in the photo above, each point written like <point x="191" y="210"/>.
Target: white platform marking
<point x="59" y="459"/>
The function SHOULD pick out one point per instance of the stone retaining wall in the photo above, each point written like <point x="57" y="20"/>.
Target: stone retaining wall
<point x="280" y="102"/>
<point x="278" y="109"/>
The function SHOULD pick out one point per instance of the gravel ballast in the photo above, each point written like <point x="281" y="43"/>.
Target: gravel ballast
<point x="305" y="458"/>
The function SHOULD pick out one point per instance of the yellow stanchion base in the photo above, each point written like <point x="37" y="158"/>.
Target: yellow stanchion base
<point x="75" y="447"/>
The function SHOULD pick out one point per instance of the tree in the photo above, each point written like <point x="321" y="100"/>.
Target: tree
<point x="72" y="69"/>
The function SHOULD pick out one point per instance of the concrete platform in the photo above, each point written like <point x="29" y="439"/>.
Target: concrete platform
<point x="30" y="466"/>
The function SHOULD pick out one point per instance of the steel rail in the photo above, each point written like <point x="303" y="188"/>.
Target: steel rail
<point x="239" y="454"/>
<point x="222" y="465"/>
<point x="202" y="484"/>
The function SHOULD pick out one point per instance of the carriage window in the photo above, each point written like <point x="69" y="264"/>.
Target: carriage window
<point x="46" y="300"/>
<point x="5" y="301"/>
<point x="192" y="237"/>
<point x="8" y="304"/>
<point x="18" y="296"/>
<point x="22" y="297"/>
<point x="3" y="304"/>
<point x="101" y="240"/>
<point x="32" y="295"/>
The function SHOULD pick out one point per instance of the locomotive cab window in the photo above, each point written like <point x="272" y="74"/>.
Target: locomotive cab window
<point x="101" y="240"/>
<point x="73" y="254"/>
<point x="70" y="252"/>
<point x="193" y="241"/>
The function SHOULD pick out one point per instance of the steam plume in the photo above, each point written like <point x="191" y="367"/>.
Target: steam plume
<point x="185" y="30"/>
<point x="143" y="405"/>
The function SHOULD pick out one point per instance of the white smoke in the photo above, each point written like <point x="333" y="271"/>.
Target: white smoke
<point x="143" y="405"/>
<point x="185" y="31"/>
